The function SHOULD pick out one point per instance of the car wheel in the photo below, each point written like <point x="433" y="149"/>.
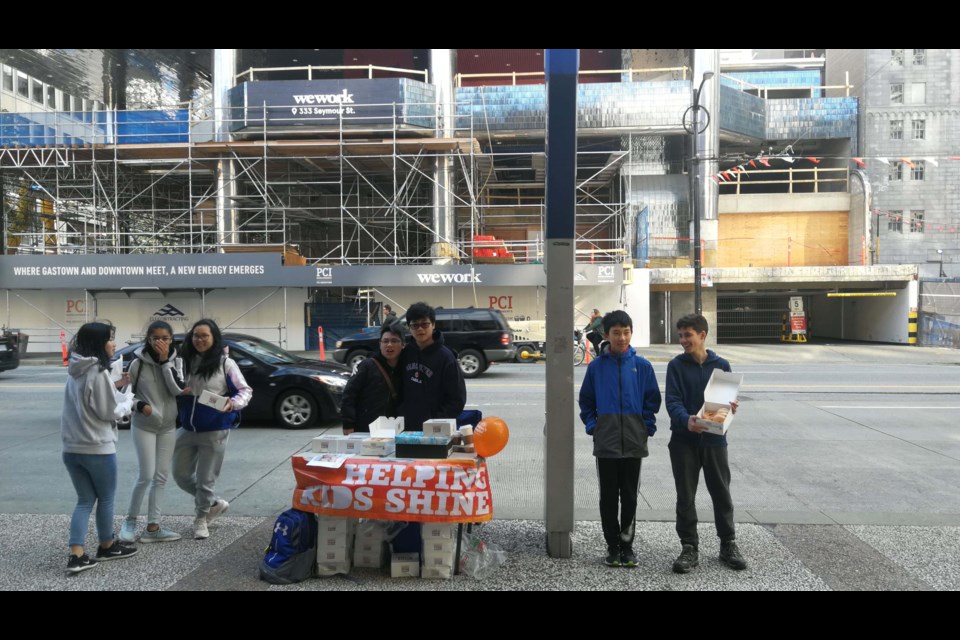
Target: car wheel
<point x="472" y="363"/>
<point x="525" y="354"/>
<point x="296" y="409"/>
<point x="356" y="357"/>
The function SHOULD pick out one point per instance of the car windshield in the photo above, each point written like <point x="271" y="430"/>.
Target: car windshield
<point x="265" y="351"/>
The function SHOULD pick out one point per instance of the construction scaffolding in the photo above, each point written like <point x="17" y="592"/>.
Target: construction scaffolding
<point x="339" y="194"/>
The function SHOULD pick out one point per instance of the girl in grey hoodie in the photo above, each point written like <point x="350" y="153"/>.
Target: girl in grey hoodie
<point x="156" y="385"/>
<point x="90" y="444"/>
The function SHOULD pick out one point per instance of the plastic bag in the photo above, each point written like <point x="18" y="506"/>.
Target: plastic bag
<point x="124" y="404"/>
<point x="480" y="559"/>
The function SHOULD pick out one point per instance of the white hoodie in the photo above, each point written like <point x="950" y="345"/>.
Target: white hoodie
<point x="89" y="400"/>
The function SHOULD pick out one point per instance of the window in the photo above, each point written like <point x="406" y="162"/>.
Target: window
<point x="23" y="85"/>
<point x="919" y="57"/>
<point x="916" y="222"/>
<point x="895" y="221"/>
<point x="8" y="79"/>
<point x="896" y="129"/>
<point x="51" y="97"/>
<point x="896" y="57"/>
<point x="37" y="92"/>
<point x="918" y="93"/>
<point x="917" y="171"/>
<point x="896" y="171"/>
<point x="479" y="321"/>
<point x="896" y="93"/>
<point x="919" y="129"/>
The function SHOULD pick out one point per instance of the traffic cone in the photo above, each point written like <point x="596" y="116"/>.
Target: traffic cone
<point x="63" y="347"/>
<point x="587" y="346"/>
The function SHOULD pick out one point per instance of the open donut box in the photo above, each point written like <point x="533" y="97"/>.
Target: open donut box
<point x="722" y="389"/>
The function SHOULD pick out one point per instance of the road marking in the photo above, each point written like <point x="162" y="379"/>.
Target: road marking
<point x="851" y="386"/>
<point x="883" y="407"/>
<point x="31" y="386"/>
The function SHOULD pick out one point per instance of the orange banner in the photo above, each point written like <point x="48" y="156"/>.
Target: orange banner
<point x="410" y="490"/>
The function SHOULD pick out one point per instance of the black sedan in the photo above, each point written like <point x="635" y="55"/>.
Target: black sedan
<point x="294" y="391"/>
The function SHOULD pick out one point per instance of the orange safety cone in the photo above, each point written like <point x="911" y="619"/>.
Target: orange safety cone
<point x="323" y="355"/>
<point x="587" y="347"/>
<point x="63" y="347"/>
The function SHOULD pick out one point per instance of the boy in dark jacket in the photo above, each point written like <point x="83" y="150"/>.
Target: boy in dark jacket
<point x="433" y="385"/>
<point x="692" y="450"/>
<point x="619" y="401"/>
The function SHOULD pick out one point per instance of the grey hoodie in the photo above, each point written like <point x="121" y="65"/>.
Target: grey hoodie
<point x="155" y="384"/>
<point x="86" y="425"/>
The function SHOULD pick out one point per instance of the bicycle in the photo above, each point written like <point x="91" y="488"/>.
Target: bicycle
<point x="579" y="348"/>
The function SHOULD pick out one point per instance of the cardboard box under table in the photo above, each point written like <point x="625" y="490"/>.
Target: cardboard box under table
<point x="438" y="493"/>
<point x="722" y="389"/>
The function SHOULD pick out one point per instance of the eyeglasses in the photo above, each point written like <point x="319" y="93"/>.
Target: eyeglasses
<point x="201" y="338"/>
<point x="390" y="341"/>
<point x="161" y="339"/>
<point x="426" y="324"/>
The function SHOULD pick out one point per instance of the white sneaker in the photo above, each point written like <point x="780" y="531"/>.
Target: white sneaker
<point x="160" y="535"/>
<point x="128" y="532"/>
<point x="217" y="509"/>
<point x="200" y="531"/>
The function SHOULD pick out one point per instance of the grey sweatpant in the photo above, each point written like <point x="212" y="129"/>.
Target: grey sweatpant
<point x="155" y="454"/>
<point x="197" y="458"/>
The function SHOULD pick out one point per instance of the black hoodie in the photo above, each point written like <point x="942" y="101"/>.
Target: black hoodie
<point x="433" y="385"/>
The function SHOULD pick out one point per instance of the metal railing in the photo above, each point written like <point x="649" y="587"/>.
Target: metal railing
<point x="460" y="77"/>
<point x="763" y="91"/>
<point x="250" y="74"/>
<point x="815" y="177"/>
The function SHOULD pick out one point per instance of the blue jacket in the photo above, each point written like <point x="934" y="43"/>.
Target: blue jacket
<point x="619" y="401"/>
<point x="686" y="381"/>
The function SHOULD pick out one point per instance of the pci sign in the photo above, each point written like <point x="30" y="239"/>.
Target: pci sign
<point x="606" y="274"/>
<point x="324" y="275"/>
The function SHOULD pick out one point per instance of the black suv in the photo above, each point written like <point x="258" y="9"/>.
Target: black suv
<point x="9" y="350"/>
<point x="478" y="336"/>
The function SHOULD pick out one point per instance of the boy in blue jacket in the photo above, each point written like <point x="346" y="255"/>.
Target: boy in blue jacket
<point x="619" y="401"/>
<point x="692" y="450"/>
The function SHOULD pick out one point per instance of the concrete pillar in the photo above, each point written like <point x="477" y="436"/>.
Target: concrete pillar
<point x="444" y="249"/>
<point x="562" y="67"/>
<point x="224" y="70"/>
<point x="709" y="301"/>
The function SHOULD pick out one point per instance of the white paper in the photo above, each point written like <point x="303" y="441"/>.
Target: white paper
<point x="328" y="460"/>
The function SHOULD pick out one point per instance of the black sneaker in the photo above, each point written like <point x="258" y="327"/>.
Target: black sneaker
<point x="613" y="557"/>
<point x="730" y="556"/>
<point x="76" y="564"/>
<point x="627" y="558"/>
<point x="116" y="551"/>
<point x="688" y="560"/>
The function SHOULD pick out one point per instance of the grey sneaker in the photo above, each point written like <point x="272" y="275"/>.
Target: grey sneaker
<point x="730" y="556"/>
<point x="217" y="509"/>
<point x="128" y="532"/>
<point x="612" y="558"/>
<point x="688" y="559"/>
<point x="628" y="558"/>
<point x="160" y="535"/>
<point x="200" y="531"/>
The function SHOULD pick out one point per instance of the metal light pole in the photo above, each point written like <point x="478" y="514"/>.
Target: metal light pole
<point x="942" y="273"/>
<point x="696" y="190"/>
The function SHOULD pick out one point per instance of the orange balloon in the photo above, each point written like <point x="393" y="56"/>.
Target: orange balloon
<point x="490" y="436"/>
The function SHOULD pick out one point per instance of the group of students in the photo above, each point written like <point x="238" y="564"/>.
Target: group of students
<point x="619" y="400"/>
<point x="164" y="389"/>
<point x="419" y="381"/>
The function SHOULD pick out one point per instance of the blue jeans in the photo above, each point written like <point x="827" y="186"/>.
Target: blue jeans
<point x="94" y="477"/>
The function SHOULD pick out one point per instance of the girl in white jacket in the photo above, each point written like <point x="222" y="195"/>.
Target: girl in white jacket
<point x="155" y="385"/>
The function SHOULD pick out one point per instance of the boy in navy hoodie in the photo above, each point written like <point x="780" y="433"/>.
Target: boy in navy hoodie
<point x="692" y="450"/>
<point x="433" y="385"/>
<point x="619" y="401"/>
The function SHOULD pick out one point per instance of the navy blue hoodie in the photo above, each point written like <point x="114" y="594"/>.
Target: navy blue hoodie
<point x="433" y="385"/>
<point x="686" y="381"/>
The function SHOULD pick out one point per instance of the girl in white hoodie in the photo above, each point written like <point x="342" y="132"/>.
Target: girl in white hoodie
<point x="155" y="385"/>
<point x="90" y="444"/>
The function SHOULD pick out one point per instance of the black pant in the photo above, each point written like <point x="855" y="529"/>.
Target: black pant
<point x="619" y="486"/>
<point x="687" y="460"/>
<point x="595" y="339"/>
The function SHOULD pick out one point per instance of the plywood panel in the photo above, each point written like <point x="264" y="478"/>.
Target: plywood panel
<point x="804" y="239"/>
